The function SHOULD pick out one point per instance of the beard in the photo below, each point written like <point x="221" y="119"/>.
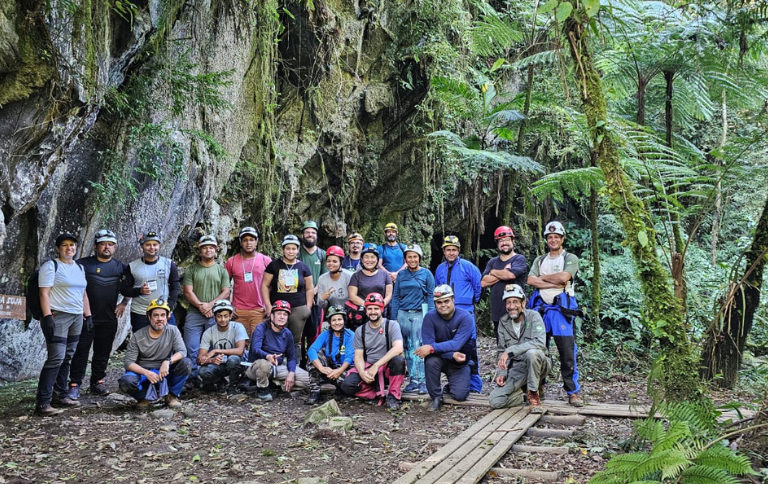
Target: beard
<point x="514" y="315"/>
<point x="391" y="238"/>
<point x="309" y="243"/>
<point x="506" y="250"/>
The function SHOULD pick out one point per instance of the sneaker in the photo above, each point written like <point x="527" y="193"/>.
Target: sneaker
<point x="423" y="389"/>
<point x="73" y="392"/>
<point x="412" y="387"/>
<point x="575" y="401"/>
<point x="392" y="402"/>
<point x="534" y="402"/>
<point x="47" y="411"/>
<point x="99" y="389"/>
<point x="313" y="398"/>
<point x="65" y="401"/>
<point x="172" y="401"/>
<point x="264" y="395"/>
<point x="437" y="402"/>
<point x="209" y="387"/>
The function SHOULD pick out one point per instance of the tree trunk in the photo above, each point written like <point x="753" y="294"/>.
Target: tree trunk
<point x="725" y="338"/>
<point x="672" y="374"/>
<point x="596" y="272"/>
<point x="641" y="86"/>
<point x="719" y="187"/>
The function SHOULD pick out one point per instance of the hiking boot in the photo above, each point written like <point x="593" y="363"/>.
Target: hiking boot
<point x="575" y="401"/>
<point x="47" y="411"/>
<point x="221" y="387"/>
<point x="209" y="387"/>
<point x="412" y="387"/>
<point x="65" y="401"/>
<point x="534" y="402"/>
<point x="172" y="401"/>
<point x="392" y="402"/>
<point x="264" y="395"/>
<point x="437" y="402"/>
<point x="313" y="398"/>
<point x="99" y="389"/>
<point x="73" y="392"/>
<point x="142" y="404"/>
<point x="423" y="389"/>
<point x="542" y="391"/>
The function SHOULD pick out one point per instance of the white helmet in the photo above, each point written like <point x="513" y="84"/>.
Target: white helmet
<point x="223" y="305"/>
<point x="414" y="248"/>
<point x="554" y="227"/>
<point x="513" y="290"/>
<point x="443" y="291"/>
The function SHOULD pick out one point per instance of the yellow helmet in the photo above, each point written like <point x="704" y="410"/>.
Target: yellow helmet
<point x="158" y="303"/>
<point x="390" y="226"/>
<point x="451" y="240"/>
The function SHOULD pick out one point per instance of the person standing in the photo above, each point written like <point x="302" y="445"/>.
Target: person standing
<point x="355" y="244"/>
<point x="333" y="286"/>
<point x="205" y="283"/>
<point x="463" y="277"/>
<point x="65" y="310"/>
<point x="552" y="275"/>
<point x="152" y="277"/>
<point x="106" y="278"/>
<point x="288" y="279"/>
<point x="314" y="257"/>
<point x="412" y="298"/>
<point x="370" y="278"/>
<point x="246" y="270"/>
<point x="392" y="252"/>
<point x="506" y="268"/>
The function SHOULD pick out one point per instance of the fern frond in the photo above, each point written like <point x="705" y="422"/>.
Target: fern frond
<point x="668" y="462"/>
<point x="574" y="183"/>
<point x="698" y="474"/>
<point x="722" y="457"/>
<point x="493" y="36"/>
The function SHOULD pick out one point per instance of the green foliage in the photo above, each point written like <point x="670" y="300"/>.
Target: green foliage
<point x="202" y="88"/>
<point x="684" y="448"/>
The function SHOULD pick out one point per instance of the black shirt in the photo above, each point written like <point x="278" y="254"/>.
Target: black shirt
<point x="104" y="284"/>
<point x="519" y="267"/>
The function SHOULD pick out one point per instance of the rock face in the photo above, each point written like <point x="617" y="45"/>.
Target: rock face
<point x="187" y="117"/>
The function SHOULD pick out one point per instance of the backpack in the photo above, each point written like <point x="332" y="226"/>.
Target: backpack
<point x="386" y="337"/>
<point x="355" y="318"/>
<point x="33" y="290"/>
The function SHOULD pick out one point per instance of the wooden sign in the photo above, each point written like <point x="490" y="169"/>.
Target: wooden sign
<point x="13" y="307"/>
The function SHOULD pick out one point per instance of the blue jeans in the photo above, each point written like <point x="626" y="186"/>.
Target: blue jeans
<point x="214" y="373"/>
<point x="137" y="385"/>
<point x="457" y="373"/>
<point x="61" y="347"/>
<point x="475" y="380"/>
<point x="410" y="325"/>
<point x="194" y="327"/>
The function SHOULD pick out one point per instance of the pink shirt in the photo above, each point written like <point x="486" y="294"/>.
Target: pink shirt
<point x="247" y="295"/>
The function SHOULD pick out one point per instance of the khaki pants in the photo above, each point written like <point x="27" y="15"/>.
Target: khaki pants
<point x="261" y="371"/>
<point x="250" y="318"/>
<point x="528" y="369"/>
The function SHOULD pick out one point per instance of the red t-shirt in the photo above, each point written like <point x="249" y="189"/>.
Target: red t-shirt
<point x="247" y="295"/>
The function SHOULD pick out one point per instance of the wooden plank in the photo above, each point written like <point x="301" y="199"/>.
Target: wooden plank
<point x="13" y="307"/>
<point x="570" y="420"/>
<point x="426" y="465"/>
<point x="477" y="471"/>
<point x="454" y="466"/>
<point x="550" y="433"/>
<point x="504" y="471"/>
<point x="536" y="449"/>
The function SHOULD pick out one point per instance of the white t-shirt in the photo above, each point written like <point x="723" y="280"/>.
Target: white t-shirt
<point x="67" y="286"/>
<point x="549" y="266"/>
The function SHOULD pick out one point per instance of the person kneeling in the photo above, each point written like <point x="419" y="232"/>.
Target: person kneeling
<point x="378" y="361"/>
<point x="447" y="336"/>
<point x="155" y="361"/>
<point x="523" y="359"/>
<point x="330" y="355"/>
<point x="221" y="349"/>
<point x="273" y="354"/>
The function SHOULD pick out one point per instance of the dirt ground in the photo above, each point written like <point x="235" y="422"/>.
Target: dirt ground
<point x="237" y="438"/>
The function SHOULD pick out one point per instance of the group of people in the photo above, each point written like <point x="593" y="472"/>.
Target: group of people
<point x="254" y="323"/>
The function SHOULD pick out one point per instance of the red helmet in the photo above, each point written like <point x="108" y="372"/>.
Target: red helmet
<point x="282" y="306"/>
<point x="502" y="232"/>
<point x="374" y="299"/>
<point x="335" y="250"/>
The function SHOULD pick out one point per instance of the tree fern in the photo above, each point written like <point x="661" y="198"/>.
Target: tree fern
<point x="574" y="183"/>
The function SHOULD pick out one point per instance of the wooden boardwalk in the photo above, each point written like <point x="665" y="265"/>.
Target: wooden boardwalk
<point x="469" y="456"/>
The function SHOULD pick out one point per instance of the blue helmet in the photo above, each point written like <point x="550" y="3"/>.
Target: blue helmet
<point x="370" y="248"/>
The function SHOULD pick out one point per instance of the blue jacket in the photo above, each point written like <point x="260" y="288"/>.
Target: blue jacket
<point x="446" y="337"/>
<point x="412" y="289"/>
<point x="465" y="281"/>
<point x="265" y="341"/>
<point x="338" y="357"/>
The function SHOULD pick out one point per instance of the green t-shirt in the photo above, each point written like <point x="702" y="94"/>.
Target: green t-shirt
<point x="206" y="282"/>
<point x="315" y="262"/>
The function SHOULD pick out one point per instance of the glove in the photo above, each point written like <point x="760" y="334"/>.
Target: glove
<point x="47" y="325"/>
<point x="88" y="323"/>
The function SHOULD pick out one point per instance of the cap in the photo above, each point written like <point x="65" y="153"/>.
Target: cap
<point x="65" y="236"/>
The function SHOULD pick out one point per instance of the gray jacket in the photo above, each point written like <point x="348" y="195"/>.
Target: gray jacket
<point x="532" y="336"/>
